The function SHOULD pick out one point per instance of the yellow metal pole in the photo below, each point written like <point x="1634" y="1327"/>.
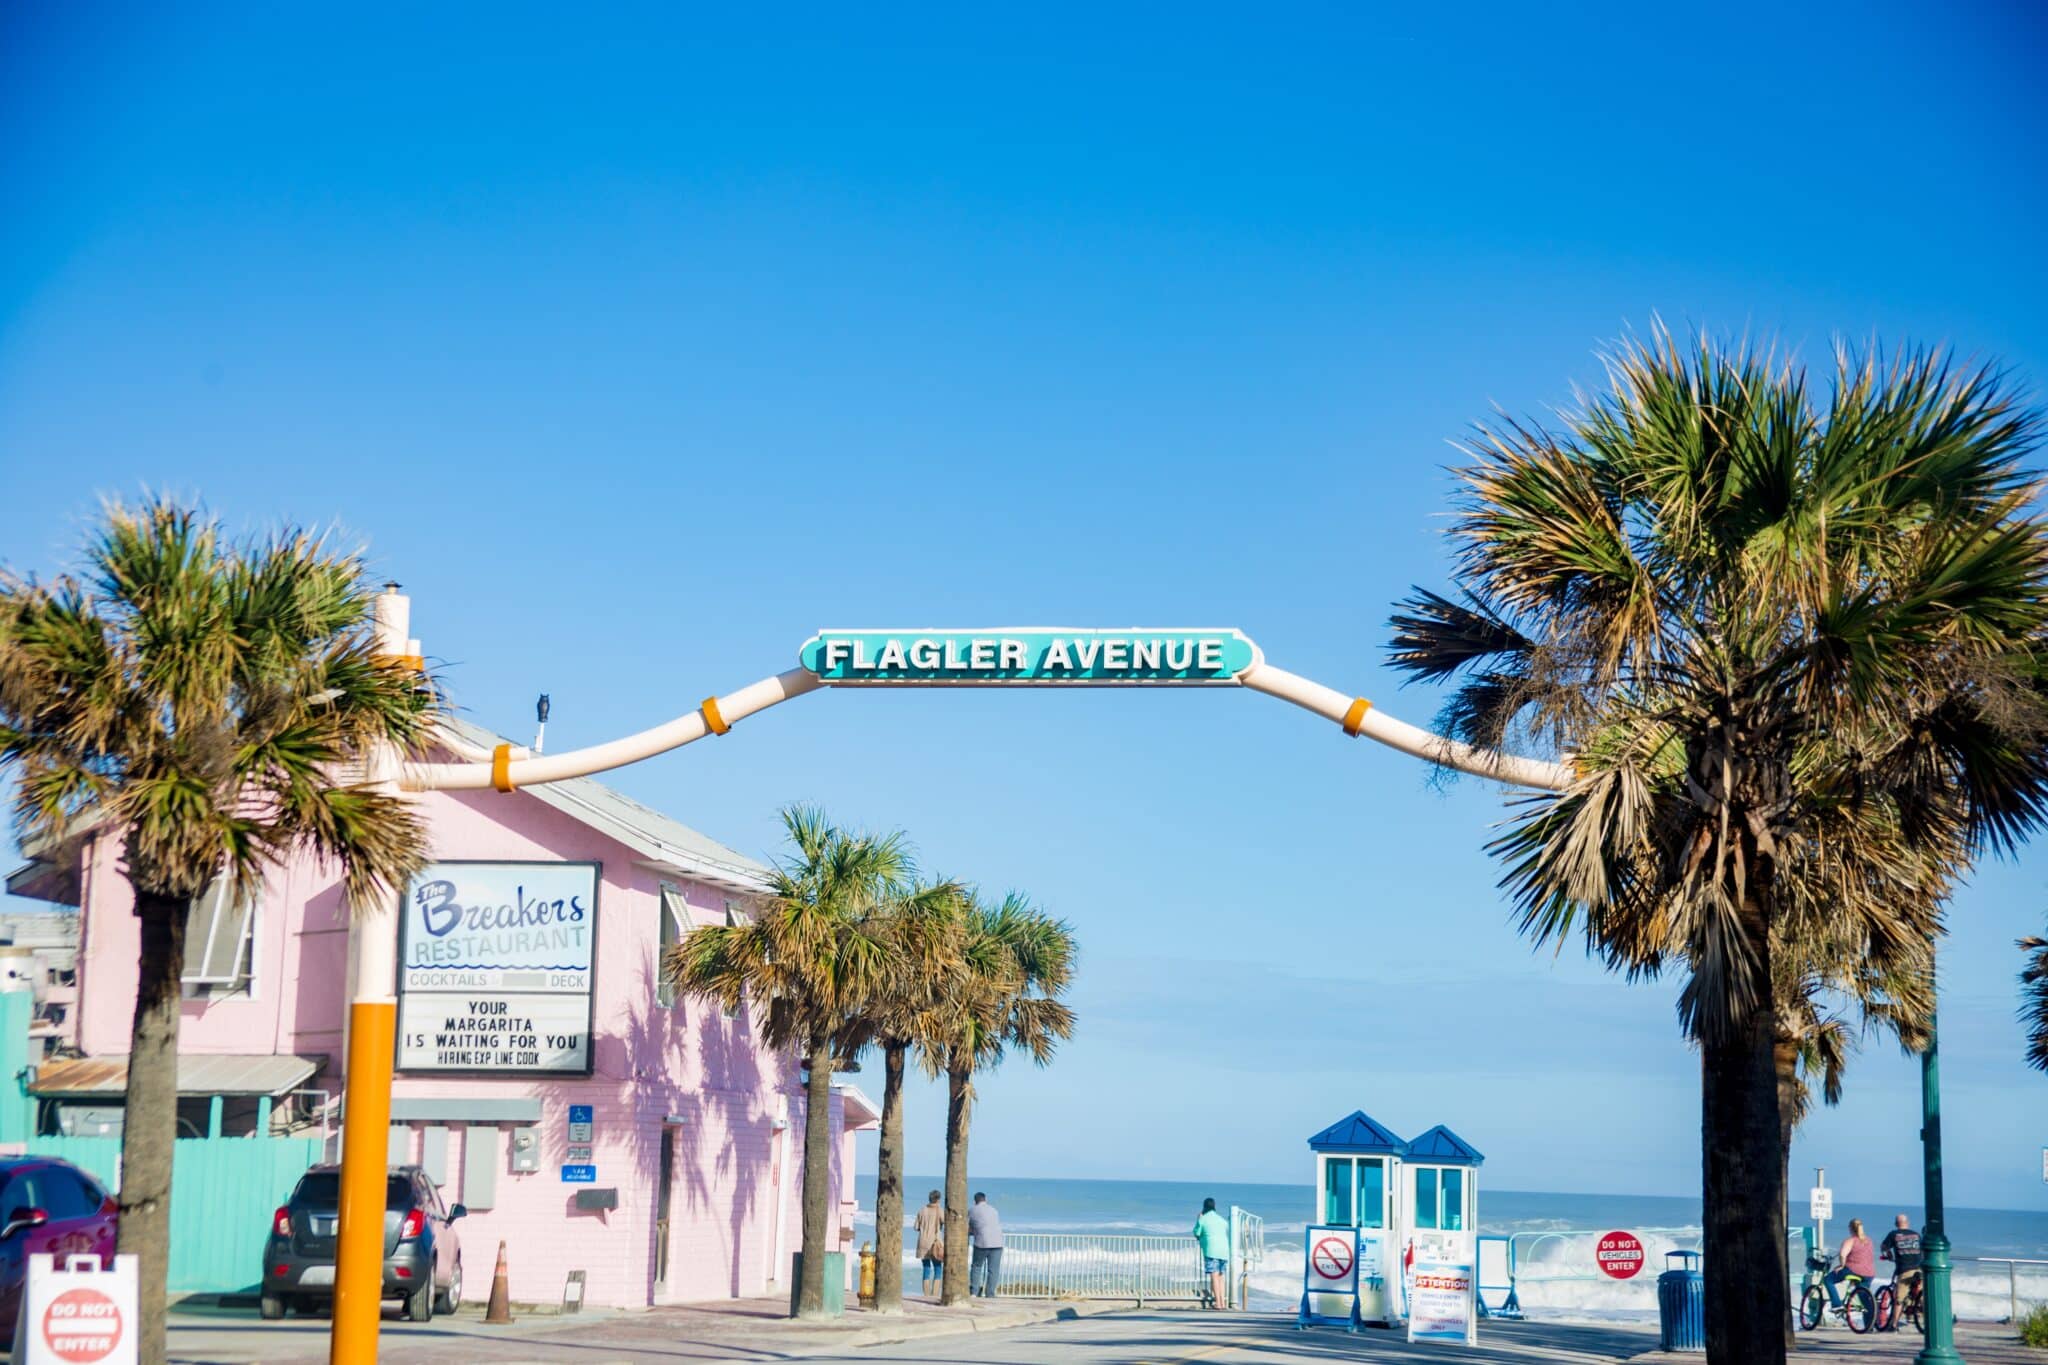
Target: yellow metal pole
<point x="359" y="1262"/>
<point x="372" y="1025"/>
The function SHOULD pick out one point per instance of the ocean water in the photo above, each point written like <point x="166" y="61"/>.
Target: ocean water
<point x="1555" y="1236"/>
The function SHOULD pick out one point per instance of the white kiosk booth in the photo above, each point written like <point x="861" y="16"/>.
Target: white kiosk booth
<point x="1401" y="1203"/>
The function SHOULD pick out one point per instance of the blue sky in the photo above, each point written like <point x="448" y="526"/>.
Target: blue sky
<point x="641" y="344"/>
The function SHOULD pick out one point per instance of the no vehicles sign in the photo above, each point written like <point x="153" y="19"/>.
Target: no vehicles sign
<point x="1619" y="1255"/>
<point x="77" y="1315"/>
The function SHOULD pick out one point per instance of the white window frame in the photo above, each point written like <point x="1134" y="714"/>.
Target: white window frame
<point x="672" y="922"/>
<point x="240" y="978"/>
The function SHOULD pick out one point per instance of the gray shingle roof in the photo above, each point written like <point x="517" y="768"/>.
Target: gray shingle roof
<point x="657" y="837"/>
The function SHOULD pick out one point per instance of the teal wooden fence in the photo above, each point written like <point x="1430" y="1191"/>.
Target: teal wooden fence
<point x="223" y="1194"/>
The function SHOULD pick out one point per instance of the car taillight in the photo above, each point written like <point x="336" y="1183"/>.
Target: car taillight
<point x="414" y="1222"/>
<point x="281" y="1222"/>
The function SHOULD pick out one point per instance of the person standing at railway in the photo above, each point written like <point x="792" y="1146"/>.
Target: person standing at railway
<point x="931" y="1242"/>
<point x="1212" y="1233"/>
<point x="985" y="1231"/>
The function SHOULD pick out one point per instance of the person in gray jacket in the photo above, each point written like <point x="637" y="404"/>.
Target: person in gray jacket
<point x="985" y="1231"/>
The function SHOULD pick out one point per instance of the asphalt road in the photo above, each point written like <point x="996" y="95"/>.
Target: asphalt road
<point x="1157" y="1338"/>
<point x="1171" y="1338"/>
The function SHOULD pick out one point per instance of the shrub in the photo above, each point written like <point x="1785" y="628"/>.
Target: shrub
<point x="2034" y="1326"/>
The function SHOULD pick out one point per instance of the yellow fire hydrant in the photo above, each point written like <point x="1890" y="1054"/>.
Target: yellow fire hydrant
<point x="867" y="1274"/>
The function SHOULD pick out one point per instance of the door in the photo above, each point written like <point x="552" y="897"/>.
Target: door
<point x="663" y="1192"/>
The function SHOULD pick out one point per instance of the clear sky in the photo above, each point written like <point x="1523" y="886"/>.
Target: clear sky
<point x="640" y="343"/>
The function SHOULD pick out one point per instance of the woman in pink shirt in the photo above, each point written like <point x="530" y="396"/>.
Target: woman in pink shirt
<point x="1859" y="1258"/>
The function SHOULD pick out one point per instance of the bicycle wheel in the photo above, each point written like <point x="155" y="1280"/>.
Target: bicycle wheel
<point x="1886" y="1317"/>
<point x="1858" y="1310"/>
<point x="1812" y="1307"/>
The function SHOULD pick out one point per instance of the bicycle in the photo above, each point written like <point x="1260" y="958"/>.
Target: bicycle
<point x="1912" y="1306"/>
<point x="1858" y="1309"/>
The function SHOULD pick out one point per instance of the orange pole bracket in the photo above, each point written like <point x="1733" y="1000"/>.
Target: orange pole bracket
<point x="501" y="767"/>
<point x="712" y="719"/>
<point x="411" y="663"/>
<point x="1355" y="717"/>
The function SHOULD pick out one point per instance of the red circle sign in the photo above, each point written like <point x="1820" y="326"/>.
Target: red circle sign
<point x="1619" y="1255"/>
<point x="1331" y="1258"/>
<point x="82" y="1326"/>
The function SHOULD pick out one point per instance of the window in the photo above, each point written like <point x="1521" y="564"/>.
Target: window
<point x="64" y="1196"/>
<point x="1366" y="1178"/>
<point x="675" y="922"/>
<point x="220" y="930"/>
<point x="734" y="917"/>
<point x="1372" y="1192"/>
<point x="1425" y="1197"/>
<point x="1337" y="1191"/>
<point x="1454" y="1201"/>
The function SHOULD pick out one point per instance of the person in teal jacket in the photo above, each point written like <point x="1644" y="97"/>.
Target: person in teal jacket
<point x="1212" y="1232"/>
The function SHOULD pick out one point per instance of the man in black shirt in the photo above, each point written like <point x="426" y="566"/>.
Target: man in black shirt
<point x="1902" y="1248"/>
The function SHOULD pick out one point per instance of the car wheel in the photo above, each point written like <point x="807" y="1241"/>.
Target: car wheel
<point x="451" y="1297"/>
<point x="270" y="1307"/>
<point x="419" y="1305"/>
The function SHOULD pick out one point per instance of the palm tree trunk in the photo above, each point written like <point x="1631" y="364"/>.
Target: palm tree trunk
<point x="1743" y="1158"/>
<point x="149" y="1130"/>
<point x="889" y="1185"/>
<point x="959" y="1103"/>
<point x="810" y="1301"/>
<point x="1785" y="1061"/>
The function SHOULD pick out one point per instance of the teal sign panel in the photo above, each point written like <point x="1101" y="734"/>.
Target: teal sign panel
<point x="1030" y="656"/>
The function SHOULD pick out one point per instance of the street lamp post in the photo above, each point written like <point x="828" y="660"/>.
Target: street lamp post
<point x="1940" y="1348"/>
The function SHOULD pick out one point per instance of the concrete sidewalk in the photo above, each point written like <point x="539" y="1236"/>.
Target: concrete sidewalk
<point x="740" y="1330"/>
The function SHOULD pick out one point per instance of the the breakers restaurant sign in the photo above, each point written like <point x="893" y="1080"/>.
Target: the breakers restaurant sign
<point x="1030" y="656"/>
<point x="494" y="972"/>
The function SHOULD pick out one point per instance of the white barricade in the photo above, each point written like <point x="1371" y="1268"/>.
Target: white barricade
<point x="80" y="1315"/>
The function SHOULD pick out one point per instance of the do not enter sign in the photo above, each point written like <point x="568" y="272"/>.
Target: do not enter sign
<point x="82" y="1327"/>
<point x="1619" y="1255"/>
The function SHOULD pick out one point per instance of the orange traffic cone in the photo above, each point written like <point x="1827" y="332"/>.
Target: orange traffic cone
<point x="500" y="1308"/>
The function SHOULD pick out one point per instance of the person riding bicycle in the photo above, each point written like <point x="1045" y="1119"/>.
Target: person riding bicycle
<point x="1859" y="1261"/>
<point x="1902" y="1248"/>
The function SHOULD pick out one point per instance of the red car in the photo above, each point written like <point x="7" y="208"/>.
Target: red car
<point x="50" y="1207"/>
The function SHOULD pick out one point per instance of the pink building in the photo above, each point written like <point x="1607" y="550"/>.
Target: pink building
<point x="694" y="1128"/>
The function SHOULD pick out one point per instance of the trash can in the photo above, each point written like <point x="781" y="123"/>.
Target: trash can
<point x="1681" y="1304"/>
<point x="835" y="1282"/>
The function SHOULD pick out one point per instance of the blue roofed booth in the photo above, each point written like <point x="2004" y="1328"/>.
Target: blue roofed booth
<point x="1397" y="1193"/>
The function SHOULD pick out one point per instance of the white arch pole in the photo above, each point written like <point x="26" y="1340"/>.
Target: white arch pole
<point x="521" y="768"/>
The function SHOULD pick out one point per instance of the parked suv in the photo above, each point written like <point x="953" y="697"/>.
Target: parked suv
<point x="48" y="1206"/>
<point x="422" y="1252"/>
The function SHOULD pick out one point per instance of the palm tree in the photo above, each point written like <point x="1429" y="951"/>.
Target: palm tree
<point x="923" y="934"/>
<point x="1778" y="632"/>
<point x="2034" y="1000"/>
<point x="212" y="706"/>
<point x="1015" y="963"/>
<point x="812" y="960"/>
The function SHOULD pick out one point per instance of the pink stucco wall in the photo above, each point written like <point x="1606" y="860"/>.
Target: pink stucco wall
<point x="650" y="1062"/>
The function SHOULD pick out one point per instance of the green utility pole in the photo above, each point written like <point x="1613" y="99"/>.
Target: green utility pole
<point x="1941" y="1347"/>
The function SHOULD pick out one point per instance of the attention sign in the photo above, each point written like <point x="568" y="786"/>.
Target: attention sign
<point x="1031" y="656"/>
<point x="495" y="968"/>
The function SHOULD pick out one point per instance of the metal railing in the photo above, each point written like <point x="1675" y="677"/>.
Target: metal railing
<point x="1247" y="1251"/>
<point x="1062" y="1265"/>
<point x="2012" y="1281"/>
<point x="1529" y="1265"/>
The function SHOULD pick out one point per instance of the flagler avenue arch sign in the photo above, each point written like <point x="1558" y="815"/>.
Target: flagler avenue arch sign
<point x="1030" y="656"/>
<point x="999" y="656"/>
<point x="987" y="656"/>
